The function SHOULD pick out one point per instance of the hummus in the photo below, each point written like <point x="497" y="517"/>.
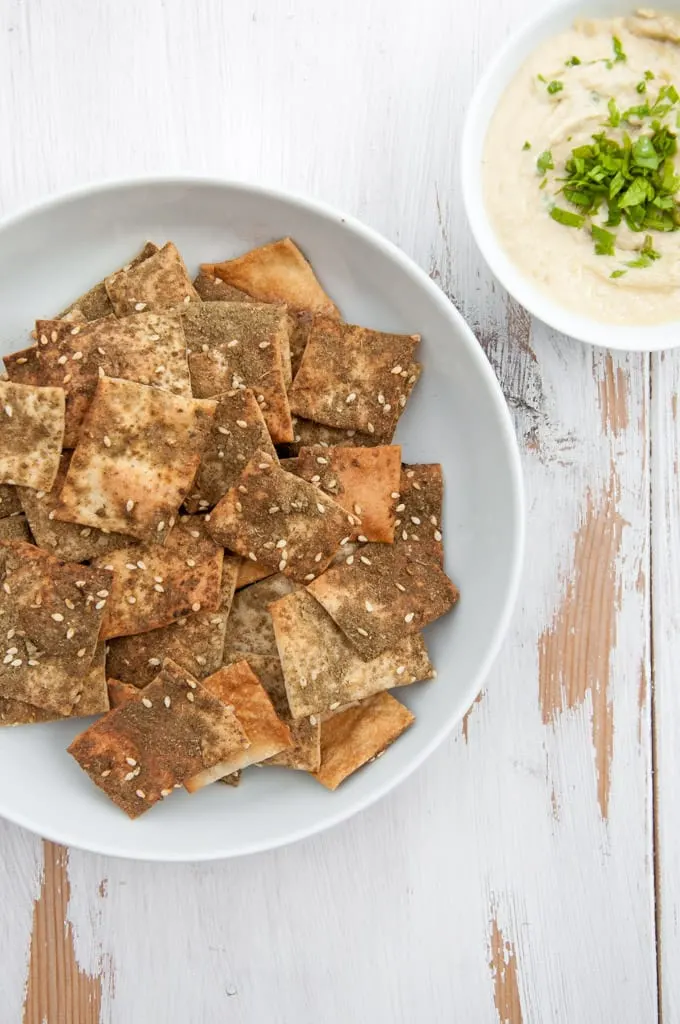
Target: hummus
<point x="535" y="116"/>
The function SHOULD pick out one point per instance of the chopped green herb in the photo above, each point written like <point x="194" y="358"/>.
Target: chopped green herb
<point x="541" y="78"/>
<point x="571" y="220"/>
<point x="649" y="75"/>
<point x="545" y="162"/>
<point x="604" y="241"/>
<point x="543" y="183"/>
<point x="555" y="86"/>
<point x="641" y="87"/>
<point x="619" y="55"/>
<point x="527" y="145"/>
<point x="618" y="273"/>
<point x="614" y="113"/>
<point x="572" y="62"/>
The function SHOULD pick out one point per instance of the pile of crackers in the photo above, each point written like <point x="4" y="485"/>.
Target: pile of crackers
<point x="207" y="536"/>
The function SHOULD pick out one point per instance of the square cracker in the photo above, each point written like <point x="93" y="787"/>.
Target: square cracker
<point x="238" y="431"/>
<point x="138" y="453"/>
<point x="250" y="572"/>
<point x="278" y="519"/>
<point x="419" y="512"/>
<point x="154" y="585"/>
<point x="159" y="283"/>
<point x="50" y="617"/>
<point x="321" y="669"/>
<point x="140" y="751"/>
<point x="10" y="503"/>
<point x="234" y="345"/>
<point x="305" y="754"/>
<point x="381" y="595"/>
<point x="31" y="434"/>
<point x="92" y="700"/>
<point x="95" y="303"/>
<point x="148" y="348"/>
<point x="356" y="736"/>
<point x="364" y="481"/>
<point x="240" y="689"/>
<point x="353" y="377"/>
<point x="249" y="627"/>
<point x="15" y="528"/>
<point x="214" y="289"/>
<point x="277" y="272"/>
<point x="68" y="541"/>
<point x="195" y="642"/>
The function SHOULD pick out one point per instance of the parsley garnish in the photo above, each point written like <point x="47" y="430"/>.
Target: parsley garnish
<point x="604" y="241"/>
<point x="545" y="162"/>
<point x="641" y="87"/>
<point x="571" y="220"/>
<point x="572" y="62"/>
<point x="618" y="273"/>
<point x="649" y="75"/>
<point x="614" y="113"/>
<point x="527" y="145"/>
<point x="555" y="86"/>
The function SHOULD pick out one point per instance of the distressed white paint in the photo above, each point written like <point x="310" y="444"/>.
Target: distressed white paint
<point x="385" y="919"/>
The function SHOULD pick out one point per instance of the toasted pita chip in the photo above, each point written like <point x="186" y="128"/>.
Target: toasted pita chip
<point x="306" y="434"/>
<point x="238" y="431"/>
<point x="68" y="541"/>
<point x="250" y="572"/>
<point x="419" y="512"/>
<point x="194" y="642"/>
<point x="322" y="671"/>
<point x="15" y="528"/>
<point x="154" y="586"/>
<point x="249" y="627"/>
<point x="50" y="617"/>
<point x="147" y="348"/>
<point x="135" y="462"/>
<point x="239" y="688"/>
<point x="381" y="595"/>
<point x="140" y="751"/>
<point x="364" y="481"/>
<point x="353" y="378"/>
<point x="280" y="520"/>
<point x="92" y="700"/>
<point x="305" y="754"/>
<point x="234" y="345"/>
<point x="10" y="503"/>
<point x="360" y="734"/>
<point x="214" y="289"/>
<point x="159" y="283"/>
<point x="95" y="303"/>
<point x="31" y="434"/>
<point x="277" y="272"/>
<point x="120" y="693"/>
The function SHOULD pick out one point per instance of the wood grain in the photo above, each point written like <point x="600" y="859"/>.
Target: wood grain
<point x="57" y="991"/>
<point x="514" y="873"/>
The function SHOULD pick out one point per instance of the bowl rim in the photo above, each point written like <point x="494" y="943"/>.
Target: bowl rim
<point x="508" y="438"/>
<point x="503" y="66"/>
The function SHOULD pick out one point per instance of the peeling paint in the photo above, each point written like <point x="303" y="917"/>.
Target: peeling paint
<point x="466" y="716"/>
<point x="614" y="395"/>
<point x="503" y="964"/>
<point x="57" y="991"/>
<point x="574" y="651"/>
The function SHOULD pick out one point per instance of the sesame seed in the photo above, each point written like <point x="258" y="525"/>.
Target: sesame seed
<point x="140" y="792"/>
<point x="409" y="617"/>
<point x="32" y="662"/>
<point x="264" y="344"/>
<point x="437" y="535"/>
<point x="160" y="527"/>
<point x="370" y="428"/>
<point x="313" y="719"/>
<point x="369" y="606"/>
<point x="22" y="360"/>
<point x="101" y="372"/>
<point x="106" y="773"/>
<point x="401" y="669"/>
<point x="154" y="661"/>
<point x="166" y="792"/>
<point x="400" y="507"/>
<point x="321" y="508"/>
<point x="394" y="494"/>
<point x="404" y="535"/>
<point x="318" y="556"/>
<point x="81" y="653"/>
<point x="5" y="587"/>
<point x="146" y="702"/>
<point x="361" y="631"/>
<point x="281" y="543"/>
<point x="415" y="520"/>
<point x="251" y="554"/>
<point x="10" y="633"/>
<point x="381" y="399"/>
<point x="7" y="659"/>
<point x="102" y="593"/>
<point x="61" y="360"/>
<point x="129" y="505"/>
<point x="102" y="351"/>
<point x="131" y="761"/>
<point x="191" y="563"/>
<point x="190" y="696"/>
<point x="53" y="335"/>
<point x="351" y="398"/>
<point x="8" y="410"/>
<point x="131" y="566"/>
<point x="401" y="587"/>
<point x="274" y="509"/>
<point x="309" y="577"/>
<point x="191" y="683"/>
<point x="159" y="588"/>
<point x="158" y="579"/>
<point x="107" y="441"/>
<point x="70" y="633"/>
<point x="357" y="509"/>
<point x="362" y="539"/>
<point x="350" y="560"/>
<point x="57" y="616"/>
<point x="17" y="663"/>
<point x="366" y="561"/>
<point x="242" y="424"/>
<point x="85" y="532"/>
<point x="43" y="339"/>
<point x="322" y="462"/>
<point x="196" y="606"/>
<point x="131" y="599"/>
<point x="139" y="306"/>
<point x="315" y="479"/>
<point x="334" y="705"/>
<point x="167" y="701"/>
<point x="234" y="341"/>
<point x="200" y="659"/>
<point x="243" y="489"/>
<point x="77" y="355"/>
<point x="99" y="605"/>
<point x="282" y="565"/>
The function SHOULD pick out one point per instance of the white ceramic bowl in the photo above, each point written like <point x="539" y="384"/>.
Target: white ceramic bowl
<point x="457" y="417"/>
<point x="553" y="18"/>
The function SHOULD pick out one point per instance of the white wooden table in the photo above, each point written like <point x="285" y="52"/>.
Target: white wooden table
<point x="530" y="871"/>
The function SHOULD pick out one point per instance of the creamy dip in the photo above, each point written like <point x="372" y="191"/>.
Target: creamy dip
<point x="535" y="116"/>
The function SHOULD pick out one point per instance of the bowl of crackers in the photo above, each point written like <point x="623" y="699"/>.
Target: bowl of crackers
<point x="261" y="518"/>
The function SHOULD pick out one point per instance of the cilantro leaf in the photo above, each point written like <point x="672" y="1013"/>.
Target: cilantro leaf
<point x="527" y="145"/>
<point x="618" y="273"/>
<point x="604" y="241"/>
<point x="555" y="86"/>
<point x="619" y="55"/>
<point x="545" y="162"/>
<point x="566" y="217"/>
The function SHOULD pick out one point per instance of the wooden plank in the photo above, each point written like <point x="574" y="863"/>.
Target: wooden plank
<point x="511" y="878"/>
<point x="666" y="692"/>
